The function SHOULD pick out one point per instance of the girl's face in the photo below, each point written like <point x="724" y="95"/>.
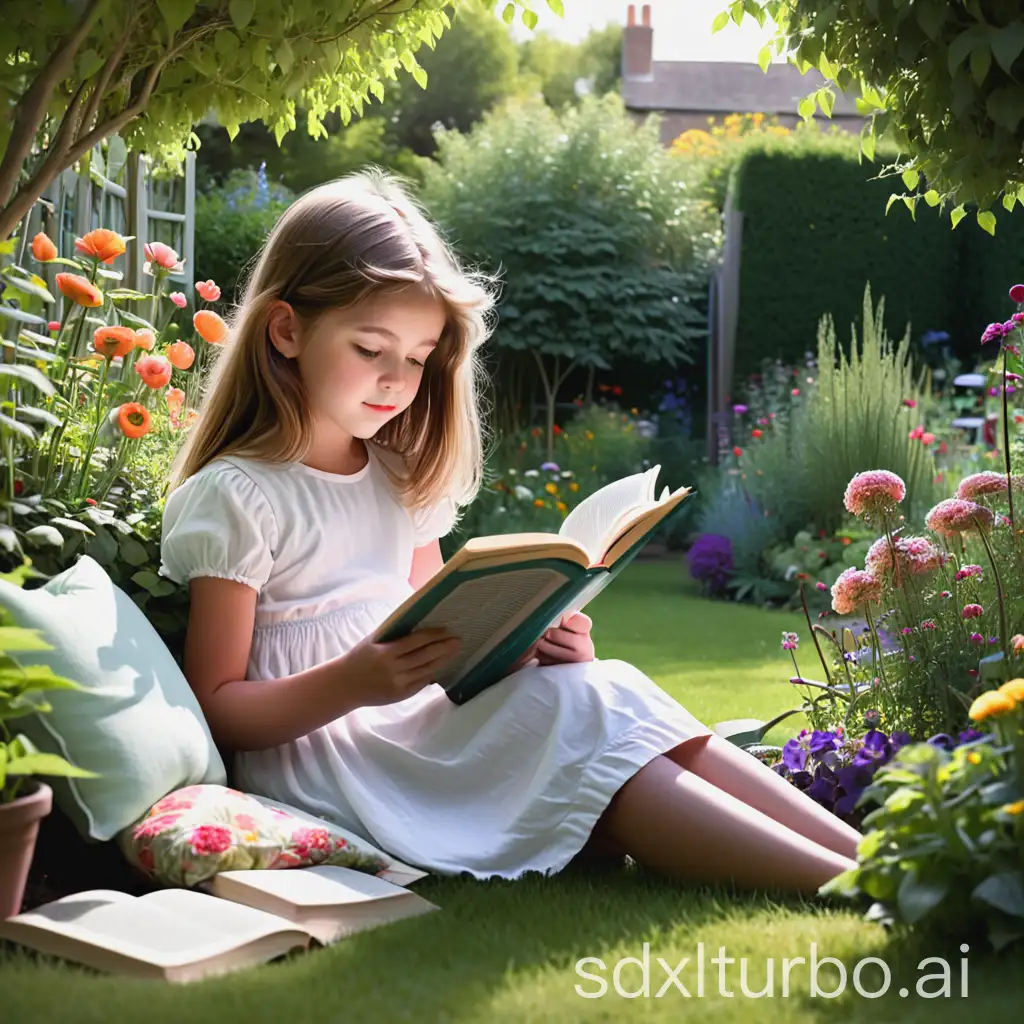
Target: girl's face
<point x="361" y="366"/>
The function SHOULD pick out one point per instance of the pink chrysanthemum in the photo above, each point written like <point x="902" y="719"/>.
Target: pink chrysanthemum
<point x="854" y="588"/>
<point x="954" y="515"/>
<point x="914" y="555"/>
<point x="968" y="571"/>
<point x="978" y="485"/>
<point x="972" y="611"/>
<point x="872" y="492"/>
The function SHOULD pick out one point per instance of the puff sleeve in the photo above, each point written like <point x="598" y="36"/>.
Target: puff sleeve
<point x="218" y="523"/>
<point x="434" y="522"/>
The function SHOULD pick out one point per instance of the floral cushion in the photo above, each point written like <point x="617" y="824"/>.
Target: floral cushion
<point x="196" y="832"/>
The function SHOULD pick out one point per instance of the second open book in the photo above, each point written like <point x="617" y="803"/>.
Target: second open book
<point x="500" y="594"/>
<point x="247" y="918"/>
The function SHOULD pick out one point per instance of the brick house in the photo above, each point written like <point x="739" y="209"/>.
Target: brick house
<point x="686" y="93"/>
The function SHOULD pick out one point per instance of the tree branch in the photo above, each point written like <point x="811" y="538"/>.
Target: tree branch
<point x="106" y="73"/>
<point x="31" y="108"/>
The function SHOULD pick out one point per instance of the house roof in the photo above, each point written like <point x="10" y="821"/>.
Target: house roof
<point x="726" y="87"/>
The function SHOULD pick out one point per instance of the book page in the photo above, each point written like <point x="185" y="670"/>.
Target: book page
<point x="323" y="885"/>
<point x="166" y="928"/>
<point x="481" y="612"/>
<point x="593" y="519"/>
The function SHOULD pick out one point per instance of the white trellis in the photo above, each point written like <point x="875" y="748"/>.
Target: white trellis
<point x="152" y="209"/>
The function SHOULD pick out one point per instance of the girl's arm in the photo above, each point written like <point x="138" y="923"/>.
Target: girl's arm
<point x="252" y="715"/>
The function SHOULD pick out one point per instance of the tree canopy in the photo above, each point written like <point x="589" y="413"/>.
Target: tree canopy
<point x="941" y="79"/>
<point x="72" y="74"/>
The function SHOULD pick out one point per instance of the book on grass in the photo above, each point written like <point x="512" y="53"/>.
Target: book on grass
<point x="244" y="918"/>
<point x="500" y="594"/>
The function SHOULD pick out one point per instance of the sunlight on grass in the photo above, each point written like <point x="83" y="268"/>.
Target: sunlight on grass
<point x="508" y="951"/>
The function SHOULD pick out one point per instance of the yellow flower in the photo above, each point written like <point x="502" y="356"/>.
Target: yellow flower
<point x="990" y="703"/>
<point x="634" y="412"/>
<point x="561" y="506"/>
<point x="551" y="488"/>
<point x="1014" y="689"/>
<point x="538" y="502"/>
<point x="589" y="435"/>
<point x="1015" y="808"/>
<point x="974" y="757"/>
<point x="574" y="486"/>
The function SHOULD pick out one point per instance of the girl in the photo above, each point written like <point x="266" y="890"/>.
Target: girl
<point x="339" y="438"/>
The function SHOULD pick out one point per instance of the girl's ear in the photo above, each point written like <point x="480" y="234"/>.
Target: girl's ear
<point x="283" y="328"/>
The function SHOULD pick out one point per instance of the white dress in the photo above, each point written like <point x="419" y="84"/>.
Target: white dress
<point x="510" y="782"/>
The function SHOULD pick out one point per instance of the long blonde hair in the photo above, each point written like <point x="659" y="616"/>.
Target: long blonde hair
<point x="335" y="246"/>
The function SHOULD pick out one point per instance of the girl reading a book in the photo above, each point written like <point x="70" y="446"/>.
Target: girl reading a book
<point x="340" y="436"/>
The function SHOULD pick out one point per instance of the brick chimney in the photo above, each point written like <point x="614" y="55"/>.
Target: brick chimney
<point x="637" y="43"/>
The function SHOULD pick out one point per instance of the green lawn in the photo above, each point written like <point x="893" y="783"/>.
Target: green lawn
<point x="507" y="951"/>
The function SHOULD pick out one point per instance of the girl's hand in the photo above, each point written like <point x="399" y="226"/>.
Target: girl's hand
<point x="570" y="641"/>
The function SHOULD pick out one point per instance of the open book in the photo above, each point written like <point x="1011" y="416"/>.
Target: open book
<point x="500" y="594"/>
<point x="182" y="934"/>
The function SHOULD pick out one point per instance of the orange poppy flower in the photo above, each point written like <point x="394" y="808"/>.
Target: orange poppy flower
<point x="210" y="327"/>
<point x="175" y="400"/>
<point x="79" y="289"/>
<point x="43" y="248"/>
<point x="112" y="342"/>
<point x="102" y="244"/>
<point x="180" y="354"/>
<point x="155" y="371"/>
<point x="145" y="339"/>
<point x="133" y="419"/>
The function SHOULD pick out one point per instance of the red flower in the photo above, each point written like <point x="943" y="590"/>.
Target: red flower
<point x="90" y="501"/>
<point x="616" y="390"/>
<point x="557" y="429"/>
<point x="757" y="433"/>
<point x="795" y="392"/>
<point x="1017" y="293"/>
<point x="737" y="451"/>
<point x="210" y="839"/>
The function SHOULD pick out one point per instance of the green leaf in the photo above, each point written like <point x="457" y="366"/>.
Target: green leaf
<point x="17" y="638"/>
<point x="736" y="11"/>
<point x="764" y="57"/>
<point x="826" y="100"/>
<point x="1005" y="891"/>
<point x="931" y="197"/>
<point x="146" y="579"/>
<point x="133" y="552"/>
<point x="1006" y="106"/>
<point x="910" y="178"/>
<point x="45" y="535"/>
<point x="241" y="12"/>
<point x="1007" y="43"/>
<point x="987" y="221"/>
<point x="72" y="524"/>
<point x="931" y="17"/>
<point x="956" y="215"/>
<point x="892" y="199"/>
<point x="19" y="314"/>
<point x="981" y="61"/>
<point x="176" y="12"/>
<point x="721" y="20"/>
<point x="128" y="294"/>
<point x="36" y="288"/>
<point x="916" y="897"/>
<point x="47" y="764"/>
<point x="420" y="76"/>
<point x="29" y="374"/>
<point x="530" y="19"/>
<point x="509" y="13"/>
<point x="807" y="107"/>
<point x="867" y="143"/>
<point x="1009" y="201"/>
<point x="557" y="7"/>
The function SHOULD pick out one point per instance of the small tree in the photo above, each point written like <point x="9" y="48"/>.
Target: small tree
<point x="942" y="79"/>
<point x="74" y="73"/>
<point x="602" y="251"/>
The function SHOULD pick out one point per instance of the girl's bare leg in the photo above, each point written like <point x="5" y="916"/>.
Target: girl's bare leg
<point x="724" y="765"/>
<point x="672" y="820"/>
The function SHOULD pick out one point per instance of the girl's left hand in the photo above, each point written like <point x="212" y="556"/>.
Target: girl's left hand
<point x="570" y="641"/>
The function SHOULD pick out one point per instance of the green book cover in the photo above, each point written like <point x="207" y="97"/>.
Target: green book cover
<point x="500" y="604"/>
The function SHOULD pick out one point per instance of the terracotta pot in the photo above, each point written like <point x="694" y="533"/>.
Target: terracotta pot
<point x="19" y="825"/>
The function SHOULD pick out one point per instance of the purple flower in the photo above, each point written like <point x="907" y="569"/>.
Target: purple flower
<point x="739" y="410"/>
<point x="823" y="788"/>
<point x="992" y="333"/>
<point x="970" y="734"/>
<point x="710" y="560"/>
<point x="790" y="641"/>
<point x="876" y="748"/>
<point x="823" y="741"/>
<point x="794" y="755"/>
<point x="549" y="467"/>
<point x="899" y="739"/>
<point x="941" y="739"/>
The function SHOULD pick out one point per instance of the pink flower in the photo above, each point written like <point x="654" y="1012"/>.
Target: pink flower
<point x="928" y="624"/>
<point x="163" y="256"/>
<point x="969" y="571"/>
<point x="910" y="403"/>
<point x="154" y="825"/>
<point x="210" y="839"/>
<point x="1017" y="293"/>
<point x="914" y="555"/>
<point x="854" y="588"/>
<point x="178" y="298"/>
<point x="992" y="333"/>
<point x="875" y="491"/>
<point x="790" y="641"/>
<point x="916" y="433"/>
<point x="927" y="438"/>
<point x="977" y="484"/>
<point x="208" y="290"/>
<point x="1017" y="643"/>
<point x="977" y="639"/>
<point x="955" y="515"/>
<point x="821" y="586"/>
<point x="972" y="611"/>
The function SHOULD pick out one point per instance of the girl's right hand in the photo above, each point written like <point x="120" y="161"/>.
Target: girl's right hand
<point x="385" y="673"/>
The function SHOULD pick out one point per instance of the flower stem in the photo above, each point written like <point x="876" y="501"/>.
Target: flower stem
<point x="1006" y="451"/>
<point x="1003" y="632"/>
<point x="876" y="644"/>
<point x="83" y="482"/>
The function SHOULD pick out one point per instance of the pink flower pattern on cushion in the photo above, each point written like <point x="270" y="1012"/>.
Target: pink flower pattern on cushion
<point x="196" y="832"/>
